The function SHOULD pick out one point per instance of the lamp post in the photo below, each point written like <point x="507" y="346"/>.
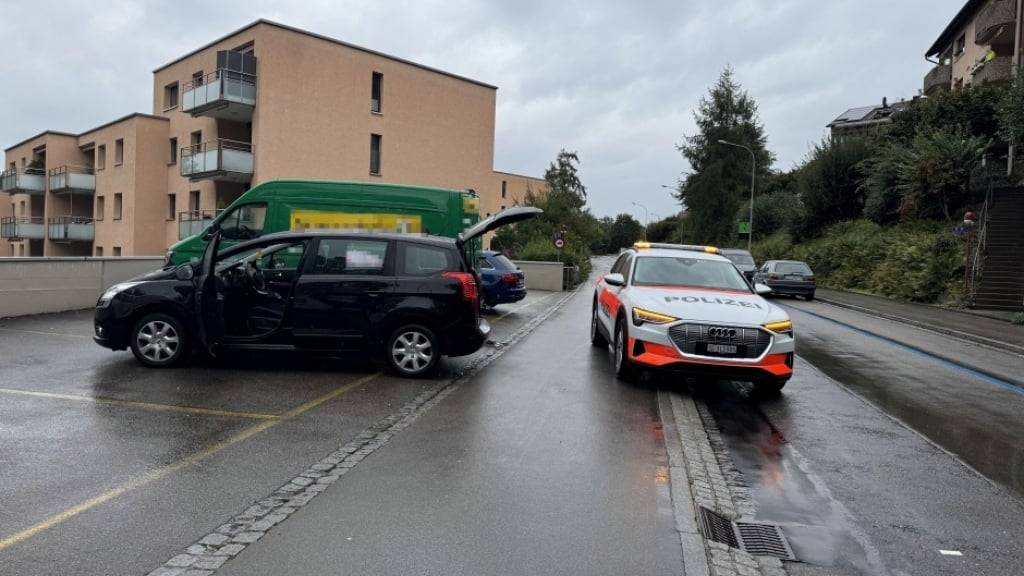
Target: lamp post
<point x="646" y="219"/>
<point x="753" y="172"/>
<point x="682" y="205"/>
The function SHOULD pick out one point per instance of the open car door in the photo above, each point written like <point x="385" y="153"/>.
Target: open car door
<point x="209" y="317"/>
<point x="505" y="217"/>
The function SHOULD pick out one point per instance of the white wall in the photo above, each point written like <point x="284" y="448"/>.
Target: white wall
<point x="542" y="275"/>
<point x="38" y="285"/>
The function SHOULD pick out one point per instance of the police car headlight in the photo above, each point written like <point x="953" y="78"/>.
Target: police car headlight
<point x="641" y="317"/>
<point x="114" y="290"/>
<point x="782" y="327"/>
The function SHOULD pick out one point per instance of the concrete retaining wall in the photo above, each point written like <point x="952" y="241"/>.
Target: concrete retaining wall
<point x="38" y="285"/>
<point x="542" y="275"/>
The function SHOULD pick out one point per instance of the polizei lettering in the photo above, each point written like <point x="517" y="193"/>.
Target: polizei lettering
<point x="706" y="300"/>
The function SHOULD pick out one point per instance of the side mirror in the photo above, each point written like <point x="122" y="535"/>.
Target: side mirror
<point x="184" y="272"/>
<point x="615" y="280"/>
<point x="762" y="289"/>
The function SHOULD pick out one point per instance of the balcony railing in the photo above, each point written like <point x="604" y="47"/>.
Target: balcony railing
<point x="225" y="94"/>
<point x="72" y="180"/>
<point x="71" y="229"/>
<point x="999" y="69"/>
<point x="938" y="79"/>
<point x="995" y="17"/>
<point x="221" y="159"/>
<point x="31" y="181"/>
<point x="21" y="228"/>
<point x="195" y="221"/>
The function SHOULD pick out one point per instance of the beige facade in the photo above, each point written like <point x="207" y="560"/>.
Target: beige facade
<point x="264" y="103"/>
<point x="979" y="46"/>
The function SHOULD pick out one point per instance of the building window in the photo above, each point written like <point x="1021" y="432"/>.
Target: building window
<point x="173" y="151"/>
<point x="960" y="45"/>
<point x="193" y="201"/>
<point x="171" y="208"/>
<point x="117" y="251"/>
<point x="375" y="154"/>
<point x="21" y="206"/>
<point x="117" y="207"/>
<point x="502" y="206"/>
<point x="197" y="78"/>
<point x="99" y="251"/>
<point x="376" y="92"/>
<point x="195" y="139"/>
<point x="171" y="96"/>
<point x="118" y="151"/>
<point x="101" y="157"/>
<point x="99" y="207"/>
<point x="504" y="188"/>
<point x="21" y="249"/>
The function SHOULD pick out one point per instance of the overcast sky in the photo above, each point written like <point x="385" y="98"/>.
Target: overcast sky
<point x="615" y="81"/>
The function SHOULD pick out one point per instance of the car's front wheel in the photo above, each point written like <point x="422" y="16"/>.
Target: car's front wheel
<point x="597" y="339"/>
<point x="159" y="341"/>
<point x="413" y="351"/>
<point x="624" y="368"/>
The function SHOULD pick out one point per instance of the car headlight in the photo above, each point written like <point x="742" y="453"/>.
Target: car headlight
<point x="782" y="326"/>
<point x="114" y="290"/>
<point x="641" y="316"/>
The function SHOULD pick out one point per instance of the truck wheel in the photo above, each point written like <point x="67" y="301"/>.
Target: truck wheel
<point x="412" y="351"/>
<point x="597" y="339"/>
<point x="625" y="370"/>
<point x="159" y="341"/>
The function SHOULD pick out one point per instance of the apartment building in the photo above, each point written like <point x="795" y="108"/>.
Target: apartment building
<point x="864" y="120"/>
<point x="979" y="46"/>
<point x="265" y="102"/>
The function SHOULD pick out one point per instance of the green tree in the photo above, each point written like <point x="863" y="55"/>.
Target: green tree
<point x="624" y="231"/>
<point x="665" y="230"/>
<point x="934" y="178"/>
<point x="721" y="174"/>
<point x="828" y="185"/>
<point x="1010" y="113"/>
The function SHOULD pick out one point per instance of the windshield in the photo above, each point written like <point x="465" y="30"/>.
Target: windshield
<point x="740" y="258"/>
<point x="502" y="262"/>
<point x="689" y="272"/>
<point x="792" y="268"/>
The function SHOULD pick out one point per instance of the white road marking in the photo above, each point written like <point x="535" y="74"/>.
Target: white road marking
<point x="951" y="553"/>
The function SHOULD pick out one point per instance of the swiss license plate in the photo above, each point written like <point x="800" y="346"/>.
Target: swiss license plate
<point x="794" y="277"/>
<point x="729" y="350"/>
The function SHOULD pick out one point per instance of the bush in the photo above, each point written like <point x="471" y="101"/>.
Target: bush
<point x="542" y="250"/>
<point x="772" y="212"/>
<point x="920" y="262"/>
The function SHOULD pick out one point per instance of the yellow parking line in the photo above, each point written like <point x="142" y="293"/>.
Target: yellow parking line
<point x="142" y="405"/>
<point x="153" y="475"/>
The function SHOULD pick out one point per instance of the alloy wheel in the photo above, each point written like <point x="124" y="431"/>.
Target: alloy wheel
<point x="158" y="341"/>
<point x="412" y="352"/>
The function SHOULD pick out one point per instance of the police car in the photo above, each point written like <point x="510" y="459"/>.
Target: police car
<point x="686" y="308"/>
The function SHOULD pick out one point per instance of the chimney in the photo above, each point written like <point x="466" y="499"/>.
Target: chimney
<point x="885" y="102"/>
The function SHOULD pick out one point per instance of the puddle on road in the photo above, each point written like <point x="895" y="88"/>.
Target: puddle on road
<point x="776" y="479"/>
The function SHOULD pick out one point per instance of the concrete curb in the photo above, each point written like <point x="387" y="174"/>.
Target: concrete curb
<point x="965" y="336"/>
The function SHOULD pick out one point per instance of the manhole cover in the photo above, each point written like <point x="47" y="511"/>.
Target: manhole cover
<point x="756" y="538"/>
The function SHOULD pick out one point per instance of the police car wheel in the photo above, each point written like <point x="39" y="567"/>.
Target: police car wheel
<point x="597" y="339"/>
<point x="413" y="351"/>
<point x="624" y="368"/>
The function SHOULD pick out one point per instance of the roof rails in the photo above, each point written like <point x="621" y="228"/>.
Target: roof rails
<point x="663" y="246"/>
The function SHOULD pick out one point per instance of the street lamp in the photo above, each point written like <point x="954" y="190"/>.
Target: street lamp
<point x="753" y="171"/>
<point x="646" y="219"/>
<point x="682" y="205"/>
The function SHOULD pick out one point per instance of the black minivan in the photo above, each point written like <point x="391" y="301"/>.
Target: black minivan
<point x="407" y="298"/>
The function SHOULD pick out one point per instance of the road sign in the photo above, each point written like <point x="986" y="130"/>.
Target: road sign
<point x="559" y="243"/>
<point x="744" y="227"/>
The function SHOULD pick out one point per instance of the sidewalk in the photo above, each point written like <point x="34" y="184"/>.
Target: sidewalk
<point x="963" y="325"/>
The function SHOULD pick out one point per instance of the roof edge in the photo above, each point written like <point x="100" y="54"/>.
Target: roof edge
<point x="43" y="133"/>
<point x="325" y="38"/>
<point x="518" y="175"/>
<point x="122" y="119"/>
<point x="970" y="7"/>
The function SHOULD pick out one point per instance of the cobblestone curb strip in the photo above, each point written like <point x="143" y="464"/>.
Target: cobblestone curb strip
<point x="703" y="482"/>
<point x="210" y="552"/>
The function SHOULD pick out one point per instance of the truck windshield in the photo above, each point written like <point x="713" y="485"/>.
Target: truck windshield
<point x="244" y="222"/>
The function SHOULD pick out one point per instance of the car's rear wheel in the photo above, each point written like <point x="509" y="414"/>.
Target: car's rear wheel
<point x="625" y="370"/>
<point x="597" y="339"/>
<point x="809" y="297"/>
<point x="413" y="351"/>
<point x="770" y="387"/>
<point x="159" y="341"/>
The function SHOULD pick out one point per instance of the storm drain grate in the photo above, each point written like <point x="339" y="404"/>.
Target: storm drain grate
<point x="754" y="538"/>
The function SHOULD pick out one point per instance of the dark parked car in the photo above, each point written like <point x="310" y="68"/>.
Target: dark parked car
<point x="788" y="278"/>
<point x="409" y="299"/>
<point x="743" y="261"/>
<point x="502" y="280"/>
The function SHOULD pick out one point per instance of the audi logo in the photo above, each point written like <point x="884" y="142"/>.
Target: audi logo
<point x="724" y="333"/>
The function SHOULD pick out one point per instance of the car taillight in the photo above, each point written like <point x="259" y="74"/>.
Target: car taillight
<point x="469" y="291"/>
<point x="774" y="276"/>
<point x="511" y="278"/>
<point x="810" y="278"/>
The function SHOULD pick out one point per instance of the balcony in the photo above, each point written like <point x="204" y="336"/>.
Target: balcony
<point x="224" y="94"/>
<point x="72" y="180"/>
<point x="31" y="181"/>
<point x="222" y="160"/>
<point x="21" y="228"/>
<point x="995" y="23"/>
<point x="195" y="221"/>
<point x="71" y="229"/>
<point x="939" y="79"/>
<point x="999" y="69"/>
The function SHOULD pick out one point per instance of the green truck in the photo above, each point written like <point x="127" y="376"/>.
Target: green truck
<point x="281" y="205"/>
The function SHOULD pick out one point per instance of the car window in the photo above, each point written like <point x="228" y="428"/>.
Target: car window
<point x="686" y="271"/>
<point x="348" y="256"/>
<point x="485" y="265"/>
<point x="284" y="259"/>
<point x="792" y="268"/>
<point x="617" y="267"/>
<point x="503" y="262"/>
<point x="423" y="260"/>
<point x="741" y="258"/>
<point x="244" y="222"/>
